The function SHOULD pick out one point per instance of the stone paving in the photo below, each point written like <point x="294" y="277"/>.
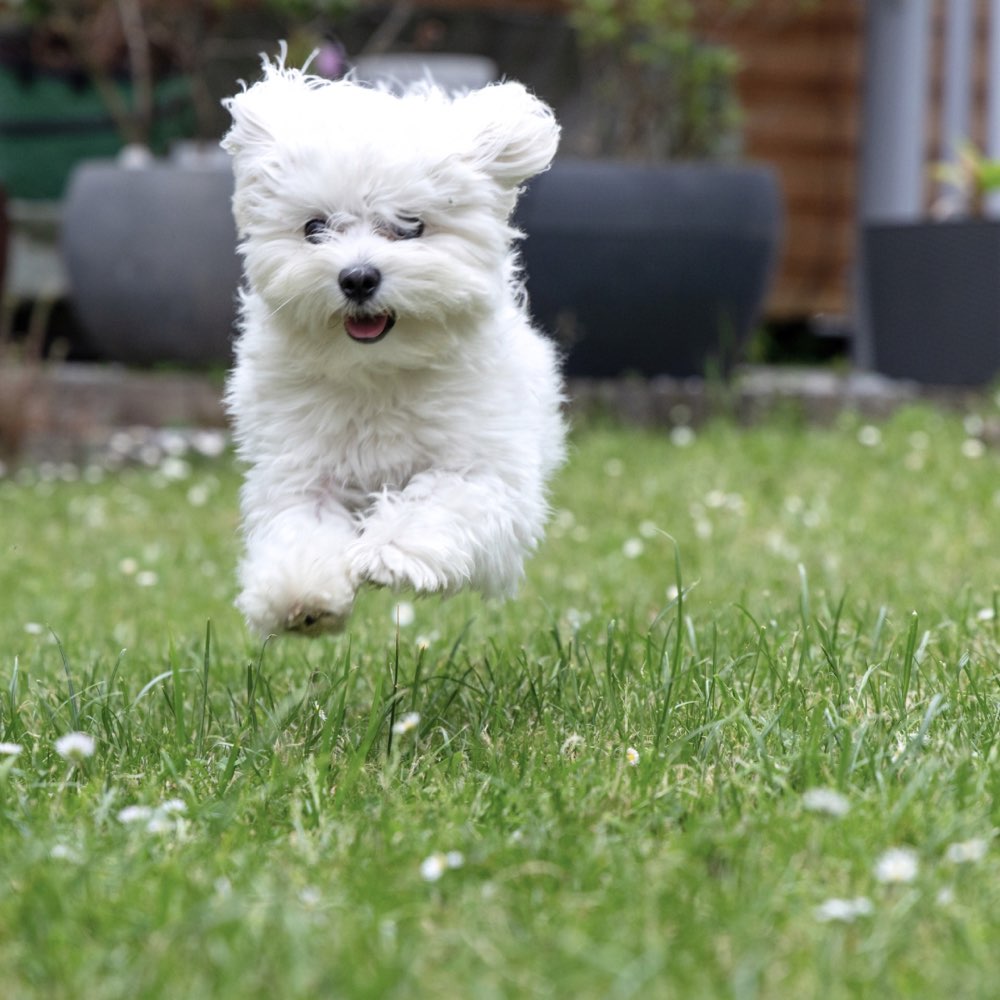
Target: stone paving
<point x="67" y="412"/>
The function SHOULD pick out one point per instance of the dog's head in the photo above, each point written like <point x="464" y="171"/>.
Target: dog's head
<point x="361" y="212"/>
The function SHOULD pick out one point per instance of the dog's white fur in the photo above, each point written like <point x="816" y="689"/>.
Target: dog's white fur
<point x="420" y="460"/>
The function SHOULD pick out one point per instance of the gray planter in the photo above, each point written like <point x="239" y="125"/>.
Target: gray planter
<point x="150" y="255"/>
<point x="933" y="296"/>
<point x="650" y="269"/>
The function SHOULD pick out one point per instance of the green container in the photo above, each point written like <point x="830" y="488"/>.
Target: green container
<point x="48" y="125"/>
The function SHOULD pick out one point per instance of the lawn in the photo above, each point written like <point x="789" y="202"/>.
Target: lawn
<point x="737" y="737"/>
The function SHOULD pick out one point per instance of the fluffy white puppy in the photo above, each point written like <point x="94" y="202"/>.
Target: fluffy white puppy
<point x="399" y="414"/>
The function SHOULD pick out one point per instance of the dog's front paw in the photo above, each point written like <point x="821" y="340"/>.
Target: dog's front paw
<point x="391" y="565"/>
<point x="272" y="608"/>
<point x="311" y="618"/>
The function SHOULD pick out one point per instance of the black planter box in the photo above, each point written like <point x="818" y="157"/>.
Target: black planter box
<point x="933" y="294"/>
<point x="649" y="269"/>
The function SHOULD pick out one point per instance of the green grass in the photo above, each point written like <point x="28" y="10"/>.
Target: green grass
<point x="756" y="612"/>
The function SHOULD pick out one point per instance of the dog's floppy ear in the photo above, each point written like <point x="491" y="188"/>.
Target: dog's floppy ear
<point x="257" y="112"/>
<point x="514" y="134"/>
<point x="249" y="130"/>
<point x="260" y="110"/>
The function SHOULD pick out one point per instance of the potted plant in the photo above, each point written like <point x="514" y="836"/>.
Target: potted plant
<point x="146" y="244"/>
<point x="148" y="240"/>
<point x="66" y="92"/>
<point x="932" y="286"/>
<point x="652" y="251"/>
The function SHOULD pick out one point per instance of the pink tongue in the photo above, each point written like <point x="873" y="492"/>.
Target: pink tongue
<point x="366" y="328"/>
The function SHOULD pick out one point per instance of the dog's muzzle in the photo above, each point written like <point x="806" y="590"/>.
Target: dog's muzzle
<point x="359" y="284"/>
<point x="367" y="328"/>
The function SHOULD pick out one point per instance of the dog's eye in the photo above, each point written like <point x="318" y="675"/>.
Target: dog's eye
<point x="315" y="230"/>
<point x="404" y="228"/>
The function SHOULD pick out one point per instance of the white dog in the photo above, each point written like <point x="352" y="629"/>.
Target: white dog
<point x="399" y="414"/>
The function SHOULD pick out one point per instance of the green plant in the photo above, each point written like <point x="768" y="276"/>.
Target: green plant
<point x="972" y="176"/>
<point x="663" y="91"/>
<point x="125" y="48"/>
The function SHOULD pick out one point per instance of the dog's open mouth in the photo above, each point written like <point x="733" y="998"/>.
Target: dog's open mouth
<point x="368" y="329"/>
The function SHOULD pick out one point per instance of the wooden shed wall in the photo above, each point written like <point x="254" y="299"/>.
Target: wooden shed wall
<point x="800" y="88"/>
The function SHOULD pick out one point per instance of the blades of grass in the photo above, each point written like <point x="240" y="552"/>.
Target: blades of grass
<point x="936" y="706"/>
<point x="350" y="776"/>
<point x="178" y="694"/>
<point x="908" y="661"/>
<point x="611" y="681"/>
<point x="456" y="645"/>
<point x="346" y="687"/>
<point x="230" y="769"/>
<point x="829" y="640"/>
<point x="417" y="678"/>
<point x="206" y="665"/>
<point x="874" y="688"/>
<point x="325" y="753"/>
<point x="805" y="618"/>
<point x="74" y="707"/>
<point x="679" y="583"/>
<point x="254" y="675"/>
<point x="876" y="639"/>
<point x="149" y="685"/>
<point x="395" y="689"/>
<point x="763" y="649"/>
<point x="671" y="665"/>
<point x="14" y="725"/>
<point x="527" y="677"/>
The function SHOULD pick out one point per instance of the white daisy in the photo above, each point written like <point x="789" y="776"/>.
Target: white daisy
<point x="75" y="747"/>
<point x="406" y="723"/>
<point x="434" y="866"/>
<point x="897" y="865"/>
<point x="967" y="851"/>
<point x="826" y="800"/>
<point x="682" y="436"/>
<point x="844" y="910"/>
<point x="135" y="814"/>
<point x="633" y="548"/>
<point x="870" y="436"/>
<point x="403" y="614"/>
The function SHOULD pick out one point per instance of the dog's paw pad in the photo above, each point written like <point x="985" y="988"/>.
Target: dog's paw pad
<point x="312" y="620"/>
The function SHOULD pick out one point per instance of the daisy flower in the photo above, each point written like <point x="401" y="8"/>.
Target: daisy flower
<point x="75" y="747"/>
<point x="406" y="723"/>
<point x="897" y="865"/>
<point x="404" y="614"/>
<point x="844" y="911"/>
<point x="826" y="800"/>
<point x="434" y="866"/>
<point x="967" y="851"/>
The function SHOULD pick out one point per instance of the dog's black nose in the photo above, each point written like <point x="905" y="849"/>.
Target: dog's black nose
<point x="360" y="282"/>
